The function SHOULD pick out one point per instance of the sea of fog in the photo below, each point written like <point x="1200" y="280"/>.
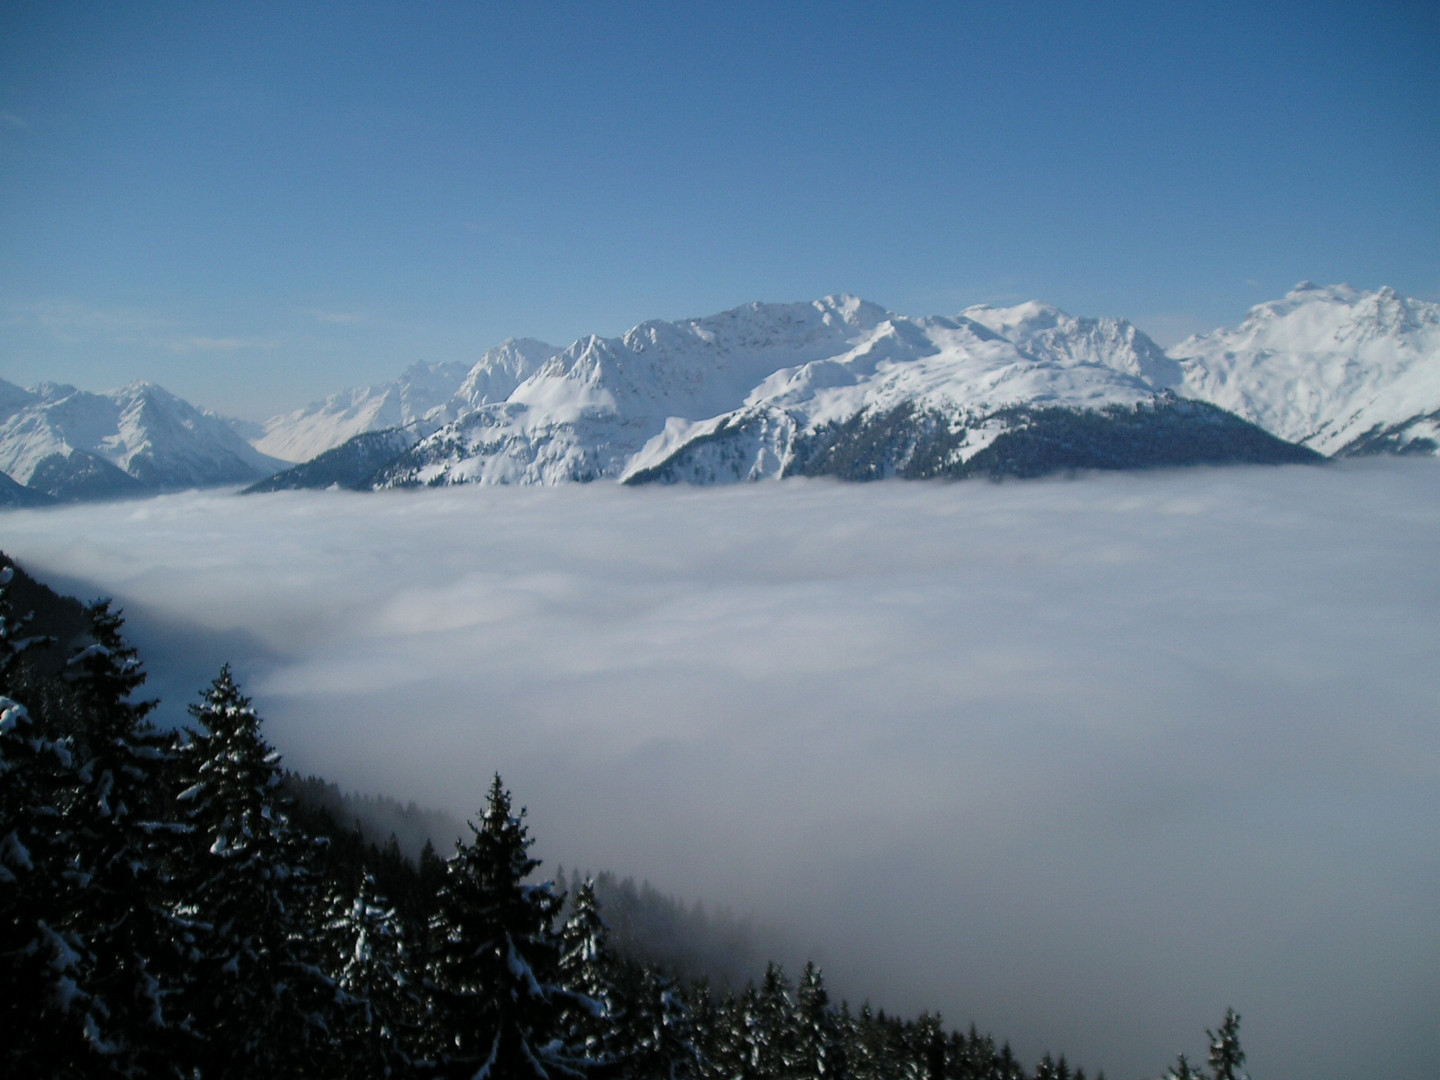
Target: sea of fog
<point x="1081" y="761"/>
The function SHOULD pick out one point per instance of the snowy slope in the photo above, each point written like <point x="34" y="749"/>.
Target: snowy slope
<point x="1335" y="368"/>
<point x="352" y="465"/>
<point x="1047" y="333"/>
<point x="72" y="443"/>
<point x="306" y="432"/>
<point x="496" y="375"/>
<point x="424" y="397"/>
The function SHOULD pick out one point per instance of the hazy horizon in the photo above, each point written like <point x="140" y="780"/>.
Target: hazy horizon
<point x="1082" y="761"/>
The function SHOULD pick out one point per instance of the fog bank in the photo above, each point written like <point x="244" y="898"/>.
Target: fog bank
<point x="1084" y="761"/>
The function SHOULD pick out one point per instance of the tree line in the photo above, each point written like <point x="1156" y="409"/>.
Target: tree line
<point x="167" y="909"/>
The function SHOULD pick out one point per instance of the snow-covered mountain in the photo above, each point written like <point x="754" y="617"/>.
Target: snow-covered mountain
<point x="70" y="443"/>
<point x="306" y="432"/>
<point x="838" y="386"/>
<point x="1020" y="391"/>
<point x="846" y="386"/>
<point x="1337" y="369"/>
<point x="1046" y="333"/>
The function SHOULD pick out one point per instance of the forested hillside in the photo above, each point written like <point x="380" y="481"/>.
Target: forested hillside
<point x="169" y="908"/>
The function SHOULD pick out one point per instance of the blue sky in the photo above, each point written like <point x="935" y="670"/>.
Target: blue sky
<point x="258" y="204"/>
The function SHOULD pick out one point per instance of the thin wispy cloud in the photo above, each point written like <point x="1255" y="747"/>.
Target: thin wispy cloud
<point x="71" y="322"/>
<point x="202" y="343"/>
<point x="335" y="318"/>
<point x="1083" y="761"/>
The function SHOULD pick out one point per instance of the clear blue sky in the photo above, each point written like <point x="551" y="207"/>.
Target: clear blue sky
<point x="257" y="204"/>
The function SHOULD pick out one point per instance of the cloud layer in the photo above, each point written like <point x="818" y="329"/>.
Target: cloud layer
<point x="1083" y="761"/>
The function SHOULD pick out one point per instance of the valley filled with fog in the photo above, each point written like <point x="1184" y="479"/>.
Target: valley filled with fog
<point x="1084" y="761"/>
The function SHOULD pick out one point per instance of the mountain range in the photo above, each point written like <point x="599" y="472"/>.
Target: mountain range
<point x="839" y="386"/>
<point x="57" y="442"/>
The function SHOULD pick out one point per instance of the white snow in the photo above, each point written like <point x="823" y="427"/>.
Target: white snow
<point x="612" y="407"/>
<point x="141" y="428"/>
<point x="302" y="434"/>
<point x="1321" y="367"/>
<point x="1324" y="365"/>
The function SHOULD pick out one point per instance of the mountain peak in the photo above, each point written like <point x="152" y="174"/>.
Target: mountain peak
<point x="140" y="438"/>
<point x="850" y="305"/>
<point x="1338" y="369"/>
<point x="1030" y="317"/>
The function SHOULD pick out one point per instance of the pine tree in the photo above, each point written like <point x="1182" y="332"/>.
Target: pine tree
<point x="726" y="1047"/>
<point x="589" y="970"/>
<point x="1007" y="1066"/>
<point x="972" y="1055"/>
<point x="258" y="997"/>
<point x="706" y="1025"/>
<point x="657" y="1028"/>
<point x="498" y="1007"/>
<point x="1183" y="1070"/>
<point x="121" y="820"/>
<point x="927" y="1039"/>
<point x="772" y="1027"/>
<point x="55" y="1025"/>
<point x="46" y="1013"/>
<point x="818" y="1051"/>
<point x="1226" y="1057"/>
<point x="380" y="1017"/>
<point x="866" y="1051"/>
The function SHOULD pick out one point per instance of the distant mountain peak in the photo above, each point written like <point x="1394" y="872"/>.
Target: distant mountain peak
<point x="138" y="439"/>
<point x="1035" y="314"/>
<point x="1338" y="369"/>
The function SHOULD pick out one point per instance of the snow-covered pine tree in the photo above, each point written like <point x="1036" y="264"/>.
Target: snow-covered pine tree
<point x="658" y="1028"/>
<point x="708" y="1027"/>
<point x="722" y="1043"/>
<point x="50" y="1020"/>
<point x="46" y="1012"/>
<point x="865" y="1045"/>
<point x="105" y="673"/>
<point x="257" y="996"/>
<point x="971" y="1056"/>
<point x="819" y="1052"/>
<point x="380" y="1015"/>
<point x="926" y="1040"/>
<point x="1183" y="1070"/>
<point x="498" y="1006"/>
<point x="771" y="1025"/>
<point x="121" y="818"/>
<point x="1226" y="1057"/>
<point x="588" y="970"/>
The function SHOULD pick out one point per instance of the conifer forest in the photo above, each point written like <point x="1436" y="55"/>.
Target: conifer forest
<point x="171" y="905"/>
